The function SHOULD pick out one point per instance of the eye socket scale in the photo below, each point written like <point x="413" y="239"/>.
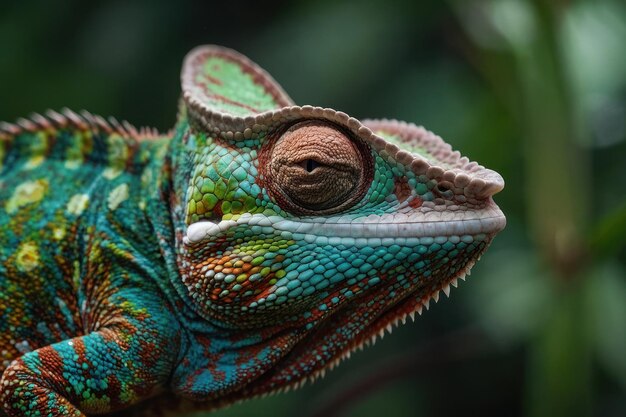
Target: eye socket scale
<point x="315" y="168"/>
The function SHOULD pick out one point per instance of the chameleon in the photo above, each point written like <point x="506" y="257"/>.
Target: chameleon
<point x="245" y="252"/>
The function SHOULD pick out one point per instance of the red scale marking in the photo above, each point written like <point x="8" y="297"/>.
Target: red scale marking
<point x="212" y="79"/>
<point x="416" y="202"/>
<point x="402" y="190"/>
<point x="217" y="210"/>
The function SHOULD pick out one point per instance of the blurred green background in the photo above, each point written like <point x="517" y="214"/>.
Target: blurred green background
<point x="535" y="90"/>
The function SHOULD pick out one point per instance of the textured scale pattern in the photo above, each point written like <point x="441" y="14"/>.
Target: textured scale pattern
<point x="244" y="252"/>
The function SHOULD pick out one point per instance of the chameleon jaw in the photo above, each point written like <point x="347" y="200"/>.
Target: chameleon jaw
<point x="403" y="309"/>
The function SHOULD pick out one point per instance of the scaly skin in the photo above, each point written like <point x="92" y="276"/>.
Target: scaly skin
<point x="248" y="250"/>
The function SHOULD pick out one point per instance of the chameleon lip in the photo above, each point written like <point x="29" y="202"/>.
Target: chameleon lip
<point x="385" y="227"/>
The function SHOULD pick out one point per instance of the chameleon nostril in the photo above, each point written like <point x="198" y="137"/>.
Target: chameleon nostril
<point x="444" y="189"/>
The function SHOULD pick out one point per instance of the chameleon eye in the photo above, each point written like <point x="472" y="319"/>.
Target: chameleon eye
<point x="316" y="168"/>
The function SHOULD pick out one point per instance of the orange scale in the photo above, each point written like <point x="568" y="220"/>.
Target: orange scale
<point x="229" y="298"/>
<point x="207" y="262"/>
<point x="223" y="260"/>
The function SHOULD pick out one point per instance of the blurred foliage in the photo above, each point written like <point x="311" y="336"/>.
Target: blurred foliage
<point x="533" y="89"/>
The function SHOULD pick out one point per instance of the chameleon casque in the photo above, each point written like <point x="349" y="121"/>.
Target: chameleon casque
<point x="243" y="253"/>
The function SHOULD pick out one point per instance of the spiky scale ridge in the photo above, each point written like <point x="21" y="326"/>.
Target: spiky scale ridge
<point x="244" y="253"/>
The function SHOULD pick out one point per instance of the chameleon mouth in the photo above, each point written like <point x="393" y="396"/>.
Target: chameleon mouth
<point x="488" y="221"/>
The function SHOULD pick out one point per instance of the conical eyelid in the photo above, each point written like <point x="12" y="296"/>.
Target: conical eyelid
<point x="347" y="175"/>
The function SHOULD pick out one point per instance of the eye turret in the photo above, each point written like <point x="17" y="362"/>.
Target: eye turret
<point x="315" y="168"/>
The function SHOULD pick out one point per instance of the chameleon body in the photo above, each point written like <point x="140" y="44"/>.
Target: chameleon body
<point x="246" y="251"/>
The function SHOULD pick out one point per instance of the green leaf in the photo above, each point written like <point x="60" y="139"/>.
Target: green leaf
<point x="609" y="235"/>
<point x="608" y="307"/>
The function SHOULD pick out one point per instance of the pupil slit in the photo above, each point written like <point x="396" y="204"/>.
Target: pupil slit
<point x="310" y="165"/>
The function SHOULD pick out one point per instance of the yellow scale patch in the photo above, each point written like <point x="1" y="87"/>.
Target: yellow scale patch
<point x="26" y="193"/>
<point x="117" y="196"/>
<point x="34" y="161"/>
<point x="27" y="257"/>
<point x="58" y="233"/>
<point x="77" y="204"/>
<point x="111" y="173"/>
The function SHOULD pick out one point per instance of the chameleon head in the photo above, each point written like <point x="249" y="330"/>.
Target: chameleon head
<point x="312" y="227"/>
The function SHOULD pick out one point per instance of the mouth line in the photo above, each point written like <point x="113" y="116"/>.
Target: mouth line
<point x="205" y="231"/>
